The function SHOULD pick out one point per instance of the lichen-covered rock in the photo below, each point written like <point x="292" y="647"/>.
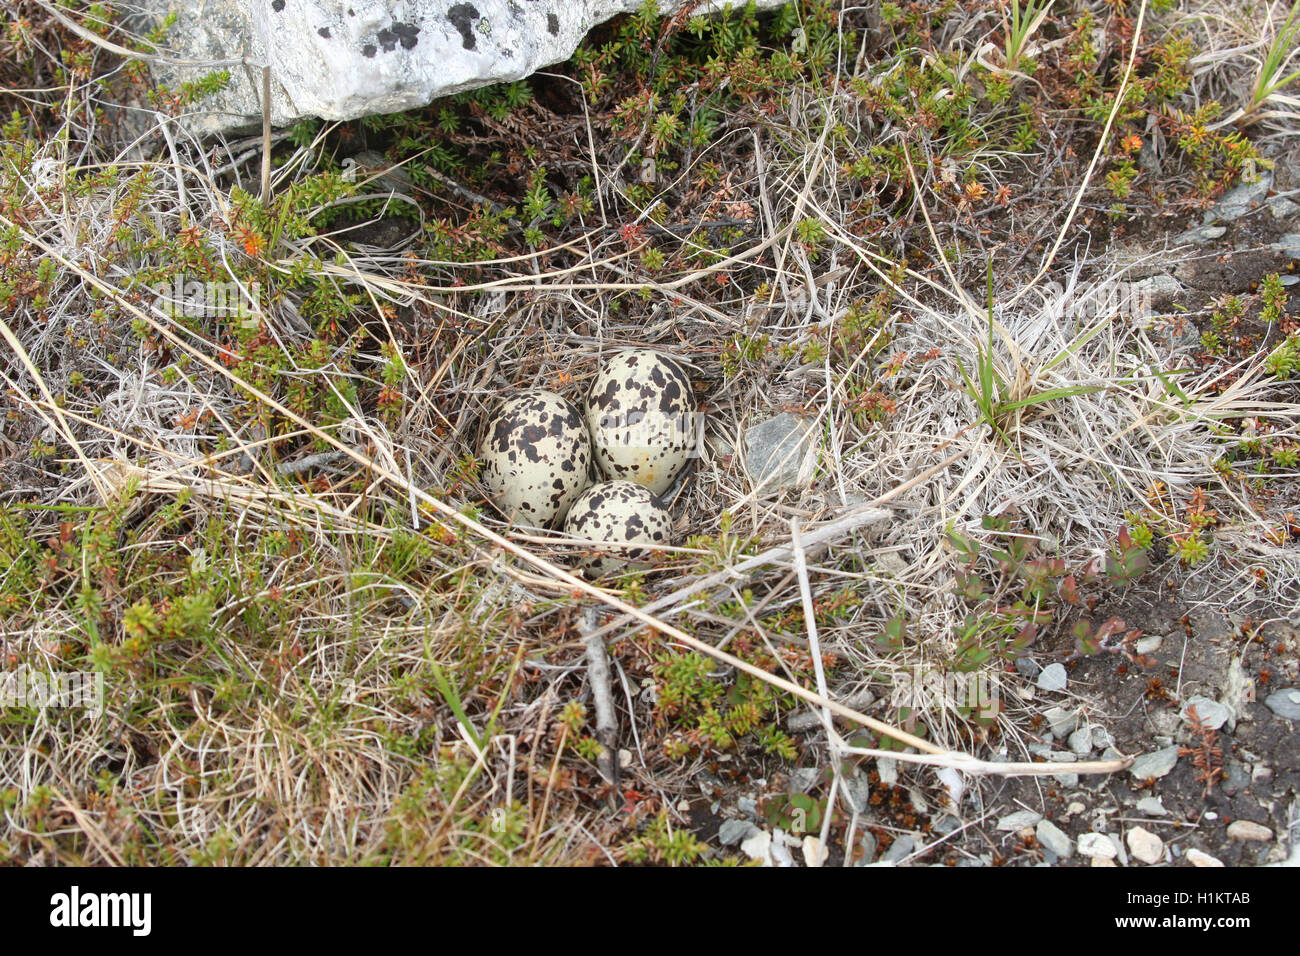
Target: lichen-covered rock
<point x="341" y="59"/>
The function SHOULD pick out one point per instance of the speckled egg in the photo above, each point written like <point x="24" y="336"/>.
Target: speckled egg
<point x="620" y="512"/>
<point x="536" y="457"/>
<point x="640" y="411"/>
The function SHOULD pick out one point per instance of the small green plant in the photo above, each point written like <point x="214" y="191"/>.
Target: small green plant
<point x="1021" y="23"/>
<point x="1270" y="79"/>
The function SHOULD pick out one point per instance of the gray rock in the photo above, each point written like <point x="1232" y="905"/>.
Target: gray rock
<point x="1211" y="713"/>
<point x="1154" y="765"/>
<point x="733" y="831"/>
<point x="1081" y="741"/>
<point x="1102" y="738"/>
<point x="1152" y="807"/>
<point x="1019" y="820"/>
<point x="1061" y="721"/>
<point x="1240" y="200"/>
<point x="1052" y="678"/>
<point x="341" y="59"/>
<point x="1289" y="245"/>
<point x="1285" y="703"/>
<point x="1235" y="779"/>
<point x="775" y="451"/>
<point x="1199" y="858"/>
<point x="900" y="848"/>
<point x="1027" y="667"/>
<point x="1051" y="837"/>
<point x="747" y="805"/>
<point x="1282" y="208"/>
<point x="1201" y="234"/>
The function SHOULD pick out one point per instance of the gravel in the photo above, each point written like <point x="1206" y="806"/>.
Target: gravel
<point x="1248" y="830"/>
<point x="1050" y="836"/>
<point x="1285" y="703"/>
<point x="1153" y="765"/>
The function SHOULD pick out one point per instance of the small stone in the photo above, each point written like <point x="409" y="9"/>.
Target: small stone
<point x="1052" y="678"/>
<point x="1075" y="808"/>
<point x="1211" y="713"/>
<point x="1154" y="765"/>
<point x="1262" y="774"/>
<point x="1201" y="234"/>
<point x="734" y="831"/>
<point x="1149" y="644"/>
<point x="1282" y="208"/>
<point x="1102" y="861"/>
<point x="1019" y="820"/>
<point x="1027" y="667"/>
<point x="814" y="854"/>
<point x="747" y="805"/>
<point x="887" y="767"/>
<point x="1248" y="830"/>
<point x="1240" y="200"/>
<point x="1050" y="836"/>
<point x="1285" y="703"/>
<point x="1145" y="845"/>
<point x="1289" y="245"/>
<point x="1152" y="807"/>
<point x="624" y="758"/>
<point x="1097" y="845"/>
<point x="758" y="846"/>
<point x="1061" y="721"/>
<point x="1197" y="858"/>
<point x="1236" y="779"/>
<point x="775" y="451"/>
<point x="900" y="848"/>
<point x="1102" y="738"/>
<point x="1081" y="741"/>
<point x="868" y="844"/>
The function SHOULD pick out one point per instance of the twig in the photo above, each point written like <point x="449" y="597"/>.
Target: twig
<point x="602" y="699"/>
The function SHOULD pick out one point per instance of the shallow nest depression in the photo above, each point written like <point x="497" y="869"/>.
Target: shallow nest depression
<point x="373" y="680"/>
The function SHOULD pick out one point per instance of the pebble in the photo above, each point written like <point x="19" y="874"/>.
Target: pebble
<point x="1097" y="845"/>
<point x="1248" y="830"/>
<point x="1212" y="714"/>
<point x="1237" y="778"/>
<point x="1050" y="836"/>
<point x="1019" y="820"/>
<point x="887" y="767"/>
<point x="1285" y="703"/>
<point x="1145" y="845"/>
<point x="814" y="854"/>
<point x="1201" y="234"/>
<point x="757" y="846"/>
<point x="1102" y="738"/>
<point x="1289" y="245"/>
<point x="868" y="843"/>
<point x="775" y="450"/>
<point x="1052" y="678"/>
<point x="900" y="848"/>
<point x="1152" y="807"/>
<point x="1075" y="808"/>
<point x="1061" y="721"/>
<point x="1027" y="667"/>
<point x="747" y="805"/>
<point x="734" y="831"/>
<point x="1102" y="861"/>
<point x="1282" y="208"/>
<point x="1081" y="741"/>
<point x="1240" y="200"/>
<point x="1148" y="645"/>
<point x="1153" y="765"/>
<point x="1197" y="858"/>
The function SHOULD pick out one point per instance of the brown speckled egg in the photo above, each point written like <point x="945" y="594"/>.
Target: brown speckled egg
<point x="620" y="512"/>
<point x="640" y="411"/>
<point x="536" y="457"/>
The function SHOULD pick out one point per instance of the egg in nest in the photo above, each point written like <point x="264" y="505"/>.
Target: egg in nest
<point x="536" y="458"/>
<point x="618" y="512"/>
<point x="641" y="411"/>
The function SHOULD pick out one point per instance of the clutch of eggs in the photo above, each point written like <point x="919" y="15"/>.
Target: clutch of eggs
<point x="536" y="457"/>
<point x="640" y="411"/>
<point x="618" y="513"/>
